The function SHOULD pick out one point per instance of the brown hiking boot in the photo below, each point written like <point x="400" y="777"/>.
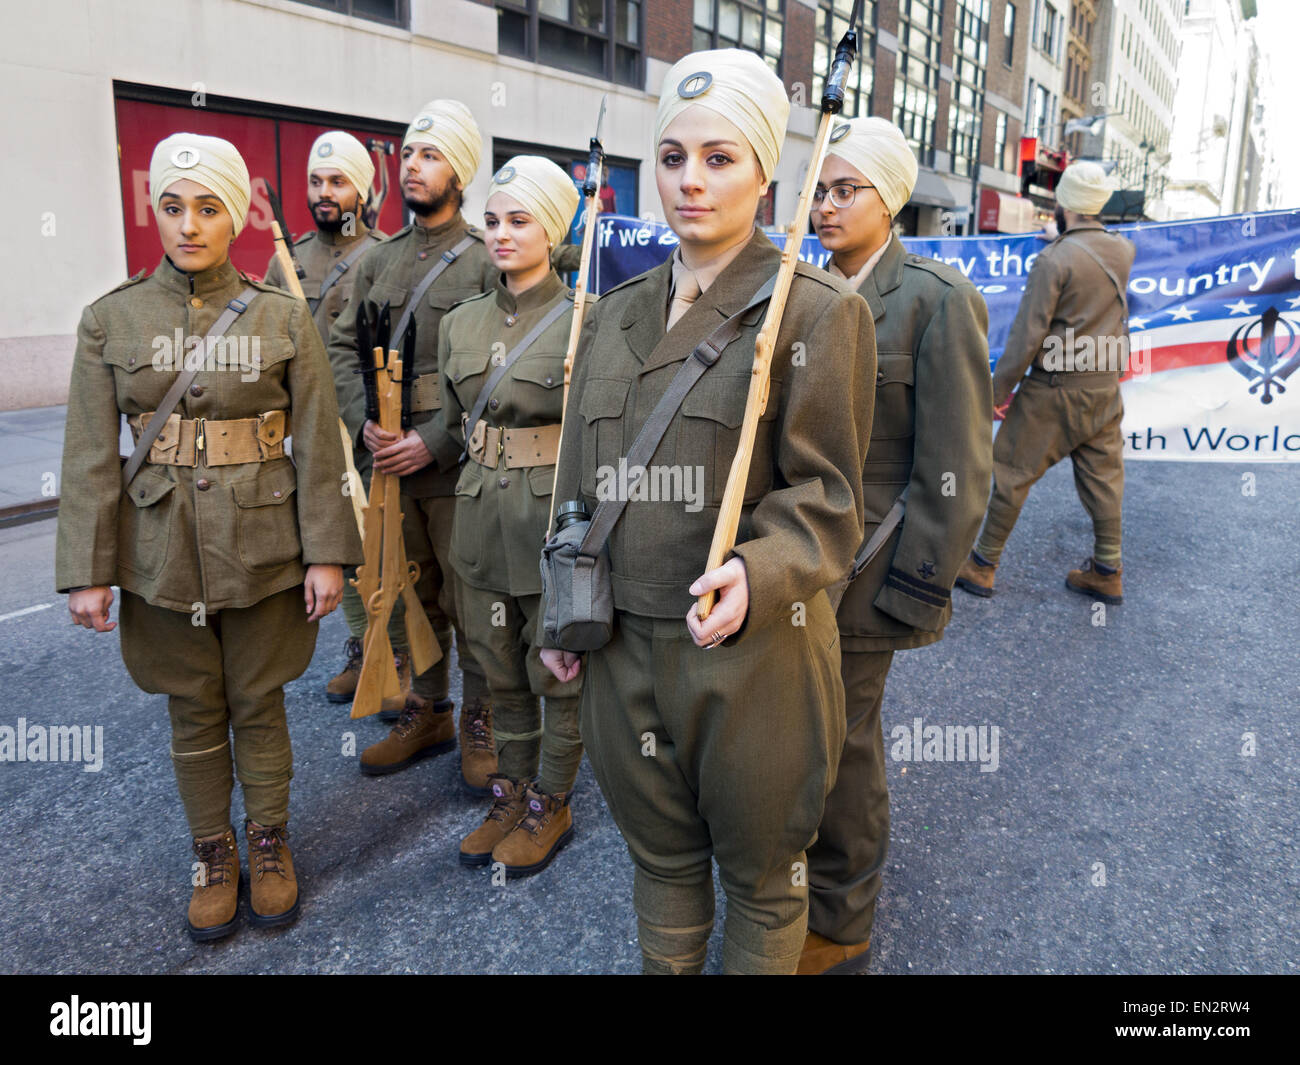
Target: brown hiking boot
<point x="547" y="825"/>
<point x="422" y="731"/>
<point x="214" y="906"/>
<point x="273" y="887"/>
<point x="976" y="578"/>
<point x="824" y="957"/>
<point x="390" y="709"/>
<point x="478" y="749"/>
<point x="507" y="809"/>
<point x="343" y="686"/>
<point x="1108" y="587"/>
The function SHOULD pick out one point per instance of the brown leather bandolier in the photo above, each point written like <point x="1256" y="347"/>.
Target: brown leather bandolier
<point x="488" y="445"/>
<point x="426" y="393"/>
<point x="232" y="442"/>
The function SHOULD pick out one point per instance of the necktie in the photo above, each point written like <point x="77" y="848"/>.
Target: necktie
<point x="686" y="290"/>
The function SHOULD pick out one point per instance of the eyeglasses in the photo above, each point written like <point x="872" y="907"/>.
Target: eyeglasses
<point x="841" y="193"/>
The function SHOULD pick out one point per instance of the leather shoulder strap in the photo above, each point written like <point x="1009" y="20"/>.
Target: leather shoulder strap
<point x="706" y="353"/>
<point x="448" y="257"/>
<point x="1119" y="289"/>
<point x="224" y="321"/>
<point x="494" y="378"/>
<point x="872" y="547"/>
<point x="340" y="268"/>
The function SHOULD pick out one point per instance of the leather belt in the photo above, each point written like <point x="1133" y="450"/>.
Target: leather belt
<point x="489" y="445"/>
<point x="232" y="442"/>
<point x="1075" y="378"/>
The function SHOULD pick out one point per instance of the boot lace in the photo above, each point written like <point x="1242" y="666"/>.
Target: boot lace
<point x="478" y="726"/>
<point x="355" y="652"/>
<point x="215" y="856"/>
<point x="264" y="848"/>
<point x="538" y="805"/>
<point x="501" y="806"/>
<point x="407" y="720"/>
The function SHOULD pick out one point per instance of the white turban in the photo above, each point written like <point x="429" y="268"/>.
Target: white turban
<point x="449" y="127"/>
<point x="1083" y="188"/>
<point x="212" y="162"/>
<point x="542" y="189"/>
<point x="336" y="150"/>
<point x="877" y="148"/>
<point x="736" y="85"/>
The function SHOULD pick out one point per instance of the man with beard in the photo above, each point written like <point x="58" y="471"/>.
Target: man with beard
<point x="340" y="173"/>
<point x="1074" y="306"/>
<point x="421" y="272"/>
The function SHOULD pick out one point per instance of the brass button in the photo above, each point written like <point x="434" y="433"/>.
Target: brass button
<point x="131" y="361"/>
<point x="277" y="493"/>
<point x="504" y="482"/>
<point x="337" y="254"/>
<point x="494" y="403"/>
<point x="880" y="376"/>
<point x="512" y="319"/>
<point x="195" y="301"/>
<point x="549" y="380"/>
<point x="196" y="391"/>
<point x="203" y="484"/>
<point x="422" y="256"/>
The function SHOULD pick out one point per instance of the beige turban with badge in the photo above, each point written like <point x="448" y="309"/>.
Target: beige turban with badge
<point x="736" y="85"/>
<point x="336" y="150"/>
<point x="877" y="148"/>
<point x="449" y="127"/>
<point x="542" y="189"/>
<point x="212" y="162"/>
<point x="1083" y="188"/>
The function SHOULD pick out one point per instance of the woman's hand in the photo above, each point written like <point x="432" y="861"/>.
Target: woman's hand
<point x="89" y="608"/>
<point x="404" y="457"/>
<point x="322" y="589"/>
<point x="728" y="613"/>
<point x="563" y="664"/>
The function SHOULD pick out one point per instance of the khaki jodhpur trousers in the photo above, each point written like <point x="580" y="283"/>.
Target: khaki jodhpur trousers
<point x="225" y="676"/>
<point x="726" y="753"/>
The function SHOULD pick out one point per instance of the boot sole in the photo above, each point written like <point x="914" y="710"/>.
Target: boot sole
<point x="1114" y="600"/>
<point x="275" y="920"/>
<point x="335" y="697"/>
<point x="475" y="860"/>
<point x="482" y="791"/>
<point x="217" y="931"/>
<point x="974" y="589"/>
<point x="420" y="755"/>
<point x="388" y="716"/>
<point x="515" y="872"/>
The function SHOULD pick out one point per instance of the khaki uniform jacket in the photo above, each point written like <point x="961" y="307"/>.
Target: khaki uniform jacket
<point x="932" y="434"/>
<point x="501" y="514"/>
<point x="802" y="518"/>
<point x="388" y="272"/>
<point x="226" y="536"/>
<point x="319" y="253"/>
<point x="1066" y="289"/>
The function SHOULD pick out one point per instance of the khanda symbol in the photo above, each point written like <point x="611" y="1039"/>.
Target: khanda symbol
<point x="1271" y="363"/>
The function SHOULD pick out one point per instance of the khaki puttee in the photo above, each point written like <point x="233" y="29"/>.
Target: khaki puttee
<point x="228" y="442"/>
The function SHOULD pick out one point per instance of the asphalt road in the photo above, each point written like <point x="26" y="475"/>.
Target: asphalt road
<point x="1119" y="746"/>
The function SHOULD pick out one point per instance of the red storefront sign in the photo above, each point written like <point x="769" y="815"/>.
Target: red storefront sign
<point x="275" y="149"/>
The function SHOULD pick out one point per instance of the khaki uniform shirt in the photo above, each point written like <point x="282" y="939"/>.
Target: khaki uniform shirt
<point x="802" y="515"/>
<point x="320" y="253"/>
<point x="501" y="514"/>
<point x="226" y="536"/>
<point x="1067" y="290"/>
<point x="932" y="434"/>
<point x="388" y="273"/>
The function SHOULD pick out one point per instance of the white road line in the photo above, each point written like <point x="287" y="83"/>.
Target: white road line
<point x="26" y="610"/>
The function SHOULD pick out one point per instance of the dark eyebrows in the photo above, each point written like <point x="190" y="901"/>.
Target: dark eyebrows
<point x="202" y="196"/>
<point x="668" y="141"/>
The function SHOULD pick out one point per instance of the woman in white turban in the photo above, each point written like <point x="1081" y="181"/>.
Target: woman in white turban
<point x="227" y="552"/>
<point x="716" y="738"/>
<point x="501" y="356"/>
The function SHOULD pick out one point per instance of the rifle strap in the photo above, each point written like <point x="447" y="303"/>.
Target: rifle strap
<point x="340" y="268"/>
<point x="224" y="321"/>
<point x="447" y="258"/>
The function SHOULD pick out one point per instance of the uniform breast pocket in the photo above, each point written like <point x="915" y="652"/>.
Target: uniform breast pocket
<point x="267" y="518"/>
<point x="144" y="524"/>
<point x="541" y="391"/>
<point x="712" y="415"/>
<point x="894" y="416"/>
<point x="138" y="391"/>
<point x="601" y="406"/>
<point x="444" y="299"/>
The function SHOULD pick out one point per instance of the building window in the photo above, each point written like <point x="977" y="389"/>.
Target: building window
<point x="393" y="12"/>
<point x="970" y="58"/>
<point x="751" y="24"/>
<point x="1009" y="33"/>
<point x="1000" y="142"/>
<point x="1047" y="39"/>
<point x="916" y="85"/>
<point x="600" y="38"/>
<point x="832" y="24"/>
